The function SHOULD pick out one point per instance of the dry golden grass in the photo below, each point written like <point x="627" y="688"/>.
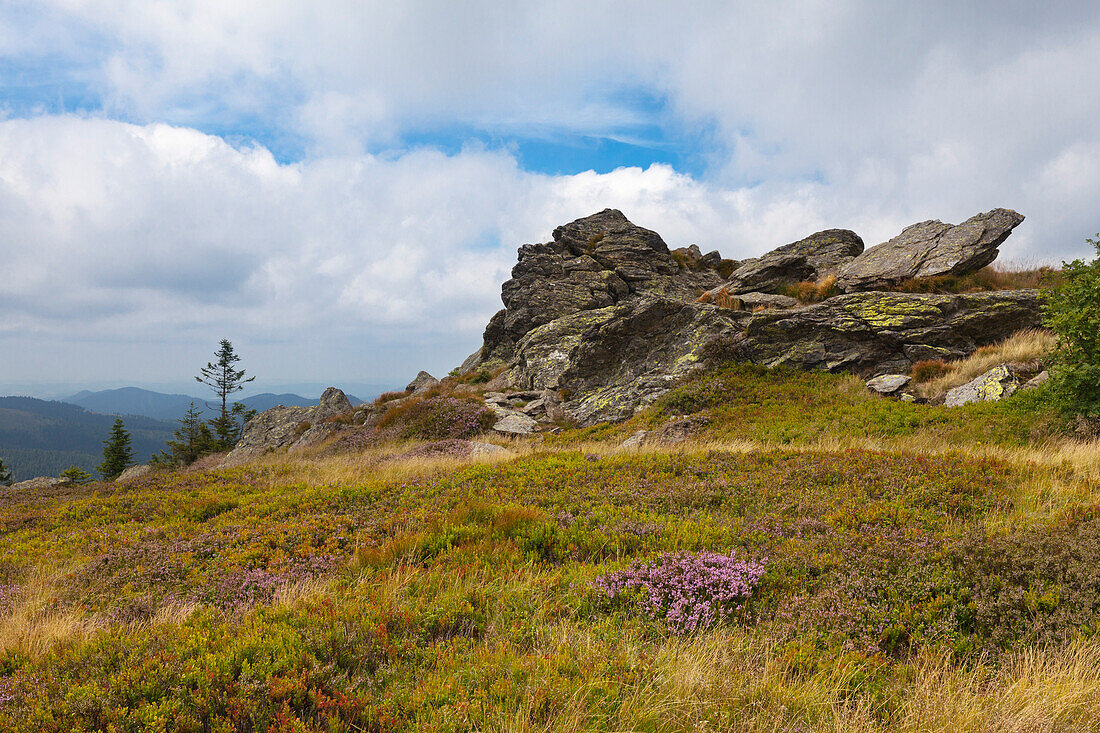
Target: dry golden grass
<point x="1026" y="347"/>
<point x="32" y="627"/>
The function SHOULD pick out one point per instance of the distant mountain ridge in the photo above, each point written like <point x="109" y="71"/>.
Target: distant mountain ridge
<point x="161" y="406"/>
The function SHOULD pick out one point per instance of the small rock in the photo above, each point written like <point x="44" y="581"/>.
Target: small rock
<point x="488" y="449"/>
<point x="679" y="430"/>
<point x="888" y="384"/>
<point x="752" y="301"/>
<point x="906" y="397"/>
<point x="134" y="472"/>
<point x="637" y="439"/>
<point x="996" y="384"/>
<point x="534" y="407"/>
<point x="421" y="382"/>
<point x="516" y="423"/>
<point x="1037" y="381"/>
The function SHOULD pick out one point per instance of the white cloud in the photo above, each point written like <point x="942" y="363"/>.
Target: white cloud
<point x="852" y="114"/>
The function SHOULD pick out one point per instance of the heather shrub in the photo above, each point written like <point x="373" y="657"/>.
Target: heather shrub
<point x="687" y="590"/>
<point x="438" y="418"/>
<point x="1037" y="585"/>
<point x="928" y="369"/>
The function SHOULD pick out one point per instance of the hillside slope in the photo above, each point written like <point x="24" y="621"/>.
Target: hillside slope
<point x="43" y="438"/>
<point x="870" y="566"/>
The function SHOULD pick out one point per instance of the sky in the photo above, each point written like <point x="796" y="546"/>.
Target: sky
<point x="339" y="187"/>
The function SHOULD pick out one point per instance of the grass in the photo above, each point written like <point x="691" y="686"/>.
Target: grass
<point x="925" y="569"/>
<point x="1029" y="350"/>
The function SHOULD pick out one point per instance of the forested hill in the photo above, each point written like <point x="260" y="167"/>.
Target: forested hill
<point x="43" y="438"/>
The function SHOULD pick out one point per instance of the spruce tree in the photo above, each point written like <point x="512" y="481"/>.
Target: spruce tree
<point x="5" y="474"/>
<point x="224" y="378"/>
<point x="117" y="454"/>
<point x="193" y="440"/>
<point x="77" y="475"/>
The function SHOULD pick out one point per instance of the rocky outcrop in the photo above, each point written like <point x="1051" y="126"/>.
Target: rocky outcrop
<point x="134" y="472"/>
<point x="603" y="320"/>
<point x="931" y="248"/>
<point x="285" y="427"/>
<point x="592" y="263"/>
<point x="813" y="258"/>
<point x="421" y="381"/>
<point x="40" y="482"/>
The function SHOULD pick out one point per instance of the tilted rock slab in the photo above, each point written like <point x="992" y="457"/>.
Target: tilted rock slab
<point x="813" y="258"/>
<point x="282" y="427"/>
<point x="931" y="248"/>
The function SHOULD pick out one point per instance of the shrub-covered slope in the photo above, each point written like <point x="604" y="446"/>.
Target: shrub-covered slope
<point x="851" y="563"/>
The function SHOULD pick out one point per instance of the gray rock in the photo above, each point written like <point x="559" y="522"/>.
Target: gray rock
<point x="134" y="472"/>
<point x="488" y="449"/>
<point x="1035" y="382"/>
<point x="888" y="383"/>
<point x="282" y="426"/>
<point x="752" y="301"/>
<point x="931" y="248"/>
<point x="516" y="423"/>
<point x="636" y="440"/>
<point x="421" y="382"/>
<point x="813" y="258"/>
<point x="40" y="482"/>
<point x="996" y="384"/>
<point x="592" y="359"/>
<point x="906" y="397"/>
<point x="592" y="263"/>
<point x="881" y="333"/>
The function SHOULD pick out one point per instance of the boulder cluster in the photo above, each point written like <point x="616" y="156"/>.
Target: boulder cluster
<point x="606" y="318"/>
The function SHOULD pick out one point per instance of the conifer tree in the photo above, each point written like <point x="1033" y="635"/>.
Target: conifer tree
<point x="77" y="475"/>
<point x="117" y="454"/>
<point x="224" y="378"/>
<point x="193" y="440"/>
<point x="5" y="474"/>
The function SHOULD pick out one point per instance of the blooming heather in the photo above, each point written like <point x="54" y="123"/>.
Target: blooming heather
<point x="689" y="590"/>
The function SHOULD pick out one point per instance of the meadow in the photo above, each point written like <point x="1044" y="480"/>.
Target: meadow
<point x="813" y="558"/>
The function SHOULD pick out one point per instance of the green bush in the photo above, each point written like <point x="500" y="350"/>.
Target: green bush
<point x="1072" y="310"/>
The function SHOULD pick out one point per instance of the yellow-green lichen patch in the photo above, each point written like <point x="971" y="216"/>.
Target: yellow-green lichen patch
<point x="886" y="310"/>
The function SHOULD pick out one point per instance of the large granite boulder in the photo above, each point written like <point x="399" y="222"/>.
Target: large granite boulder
<point x="931" y="248"/>
<point x="283" y="427"/>
<point x="813" y="258"/>
<point x="592" y="263"/>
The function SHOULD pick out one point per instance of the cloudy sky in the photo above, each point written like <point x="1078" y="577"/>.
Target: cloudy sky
<point x="339" y="186"/>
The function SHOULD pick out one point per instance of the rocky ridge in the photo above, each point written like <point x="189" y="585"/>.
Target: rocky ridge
<point x="607" y="319"/>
